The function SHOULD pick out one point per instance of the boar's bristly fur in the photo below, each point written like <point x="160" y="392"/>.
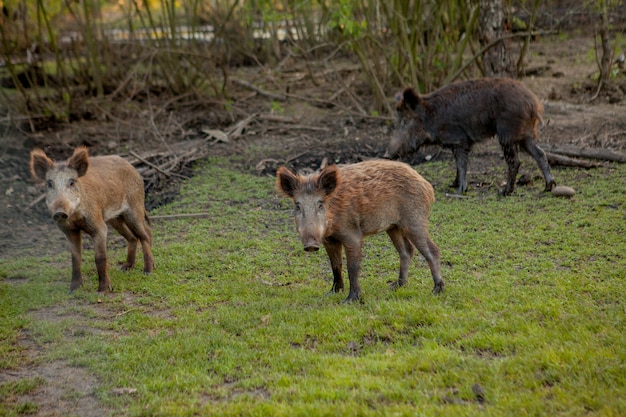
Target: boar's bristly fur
<point x="341" y="205"/>
<point x="459" y="115"/>
<point x="86" y="194"/>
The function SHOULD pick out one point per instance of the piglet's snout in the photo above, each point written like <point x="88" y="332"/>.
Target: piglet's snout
<point x="310" y="244"/>
<point x="59" y="216"/>
<point x="59" y="210"/>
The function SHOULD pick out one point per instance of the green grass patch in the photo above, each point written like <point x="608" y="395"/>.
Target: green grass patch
<point x="533" y="311"/>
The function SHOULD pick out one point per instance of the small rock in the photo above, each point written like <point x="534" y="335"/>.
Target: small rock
<point x="479" y="392"/>
<point x="563" y="191"/>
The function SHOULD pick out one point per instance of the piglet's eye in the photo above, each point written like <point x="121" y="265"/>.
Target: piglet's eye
<point x="49" y="184"/>
<point x="71" y="182"/>
<point x="320" y="205"/>
<point x="297" y="208"/>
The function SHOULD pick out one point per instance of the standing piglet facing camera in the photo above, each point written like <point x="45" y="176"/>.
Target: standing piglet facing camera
<point x="85" y="195"/>
<point x="339" y="206"/>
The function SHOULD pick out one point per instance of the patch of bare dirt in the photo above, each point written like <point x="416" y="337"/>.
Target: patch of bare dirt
<point x="57" y="387"/>
<point x="61" y="390"/>
<point x="303" y="135"/>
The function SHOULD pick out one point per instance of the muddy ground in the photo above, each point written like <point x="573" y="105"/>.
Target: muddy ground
<point x="301" y="134"/>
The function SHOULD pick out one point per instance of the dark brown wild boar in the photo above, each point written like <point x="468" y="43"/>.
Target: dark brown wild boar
<point x="85" y="194"/>
<point x="341" y="205"/>
<point x="461" y="114"/>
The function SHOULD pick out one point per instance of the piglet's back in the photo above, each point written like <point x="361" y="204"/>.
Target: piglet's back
<point x="113" y="172"/>
<point x="112" y="180"/>
<point x="382" y="186"/>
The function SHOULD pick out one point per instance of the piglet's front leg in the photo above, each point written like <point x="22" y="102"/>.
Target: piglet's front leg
<point x="100" y="242"/>
<point x="353" y="257"/>
<point x="334" y="252"/>
<point x="76" y="247"/>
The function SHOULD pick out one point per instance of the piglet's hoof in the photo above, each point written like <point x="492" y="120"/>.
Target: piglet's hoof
<point x="438" y="289"/>
<point x="74" y="285"/>
<point x="550" y="186"/>
<point x="352" y="298"/>
<point x="333" y="291"/>
<point x="394" y="285"/>
<point x="104" y="289"/>
<point x="126" y="266"/>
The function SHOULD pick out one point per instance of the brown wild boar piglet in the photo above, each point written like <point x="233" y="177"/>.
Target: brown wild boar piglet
<point x="461" y="114"/>
<point x="84" y="195"/>
<point x="341" y="205"/>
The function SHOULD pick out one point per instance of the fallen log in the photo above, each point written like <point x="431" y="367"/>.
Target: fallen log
<point x="590" y="153"/>
<point x="555" y="159"/>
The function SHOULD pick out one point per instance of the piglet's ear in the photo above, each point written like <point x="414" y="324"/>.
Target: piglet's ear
<point x="411" y="99"/>
<point x="79" y="160"/>
<point x="286" y="181"/>
<point x="39" y="164"/>
<point x="328" y="179"/>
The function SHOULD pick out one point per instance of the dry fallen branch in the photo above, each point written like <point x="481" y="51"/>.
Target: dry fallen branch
<point x="237" y="130"/>
<point x="274" y="284"/>
<point x="298" y="127"/>
<point x="555" y="159"/>
<point x="591" y="153"/>
<point x="259" y="90"/>
<point x="278" y="119"/>
<point x="35" y="201"/>
<point x="168" y="161"/>
<point x="167" y="174"/>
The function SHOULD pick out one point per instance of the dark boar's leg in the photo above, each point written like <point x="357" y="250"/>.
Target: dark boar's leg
<point x="460" y="182"/>
<point x="76" y="247"/>
<point x="512" y="161"/>
<point x="334" y="251"/>
<point x="528" y="144"/>
<point x="405" y="250"/>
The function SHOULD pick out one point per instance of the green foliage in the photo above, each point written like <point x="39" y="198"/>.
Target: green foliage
<point x="117" y="52"/>
<point x="277" y="108"/>
<point x="343" y="19"/>
<point x="233" y="321"/>
<point x="113" y="51"/>
<point x="419" y="43"/>
<point x="122" y="51"/>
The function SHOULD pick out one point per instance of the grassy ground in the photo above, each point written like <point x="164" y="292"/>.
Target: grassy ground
<point x="532" y="321"/>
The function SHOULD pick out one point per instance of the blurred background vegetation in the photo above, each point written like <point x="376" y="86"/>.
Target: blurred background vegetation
<point x="65" y="60"/>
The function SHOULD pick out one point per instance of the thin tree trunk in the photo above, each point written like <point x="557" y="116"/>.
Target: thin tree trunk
<point x="522" y="56"/>
<point x="605" y="61"/>
<point x="496" y="60"/>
